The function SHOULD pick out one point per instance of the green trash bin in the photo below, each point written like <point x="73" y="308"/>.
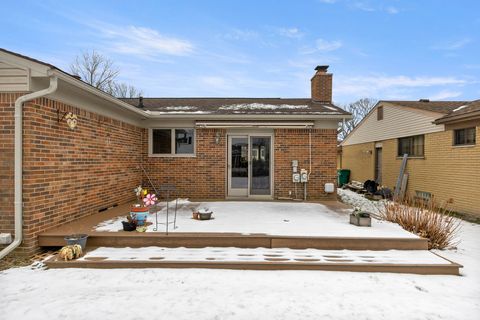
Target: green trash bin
<point x="343" y="176"/>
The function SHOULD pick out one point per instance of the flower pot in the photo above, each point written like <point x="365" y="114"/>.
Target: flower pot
<point x="80" y="239"/>
<point x="139" y="214"/>
<point x="204" y="215"/>
<point x="195" y="215"/>
<point x="360" y="221"/>
<point x="127" y="226"/>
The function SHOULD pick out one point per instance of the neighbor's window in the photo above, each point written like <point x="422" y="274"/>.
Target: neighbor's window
<point x="464" y="137"/>
<point x="413" y="146"/>
<point x="173" y="141"/>
<point x="380" y="113"/>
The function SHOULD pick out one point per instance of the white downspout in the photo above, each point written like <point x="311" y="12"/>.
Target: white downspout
<point x="18" y="162"/>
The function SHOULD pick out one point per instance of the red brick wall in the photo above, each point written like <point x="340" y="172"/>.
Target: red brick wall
<point x="6" y="162"/>
<point x="199" y="177"/>
<point x="293" y="144"/>
<point x="71" y="174"/>
<point x="321" y="86"/>
<point x="68" y="174"/>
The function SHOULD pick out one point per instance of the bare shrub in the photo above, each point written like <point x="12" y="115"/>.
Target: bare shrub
<point x="426" y="219"/>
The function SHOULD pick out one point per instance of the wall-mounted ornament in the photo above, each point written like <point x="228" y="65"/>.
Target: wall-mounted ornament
<point x="70" y="118"/>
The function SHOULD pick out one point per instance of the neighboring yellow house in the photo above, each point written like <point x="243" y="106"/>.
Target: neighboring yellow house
<point x="441" y="138"/>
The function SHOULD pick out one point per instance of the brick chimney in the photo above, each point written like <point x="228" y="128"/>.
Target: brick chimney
<point x="322" y="85"/>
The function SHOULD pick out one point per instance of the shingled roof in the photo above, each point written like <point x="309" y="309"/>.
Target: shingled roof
<point x="224" y="106"/>
<point x="465" y="112"/>
<point x="444" y="107"/>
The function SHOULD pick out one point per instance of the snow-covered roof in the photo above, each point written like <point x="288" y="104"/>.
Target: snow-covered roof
<point x="235" y="106"/>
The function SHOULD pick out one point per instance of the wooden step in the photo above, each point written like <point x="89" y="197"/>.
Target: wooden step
<point x="200" y="240"/>
<point x="417" y="262"/>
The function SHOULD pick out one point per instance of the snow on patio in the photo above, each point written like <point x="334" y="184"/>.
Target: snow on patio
<point x="273" y="218"/>
<point x="32" y="293"/>
<point x="265" y="254"/>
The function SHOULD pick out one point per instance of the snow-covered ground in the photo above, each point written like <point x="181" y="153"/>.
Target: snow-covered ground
<point x="274" y="218"/>
<point x="33" y="293"/>
<point x="234" y="294"/>
<point x="285" y="255"/>
<point x="358" y="201"/>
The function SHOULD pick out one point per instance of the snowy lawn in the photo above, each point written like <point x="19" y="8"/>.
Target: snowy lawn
<point x="34" y="293"/>
<point x="274" y="218"/>
<point x="233" y="294"/>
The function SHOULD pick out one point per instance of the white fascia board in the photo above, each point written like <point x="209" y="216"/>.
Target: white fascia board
<point x="138" y="112"/>
<point x="34" y="68"/>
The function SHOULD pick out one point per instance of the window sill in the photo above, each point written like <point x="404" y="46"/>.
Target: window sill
<point x="464" y="146"/>
<point x="172" y="155"/>
<point x="412" y="157"/>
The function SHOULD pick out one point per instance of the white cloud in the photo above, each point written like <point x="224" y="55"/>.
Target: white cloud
<point x="290" y="32"/>
<point x="445" y="94"/>
<point x="392" y="10"/>
<point x="453" y="45"/>
<point x="141" y="41"/>
<point x="325" y="45"/>
<point x="239" y="34"/>
<point x="368" y="6"/>
<point x="398" y="87"/>
<point x="322" y="45"/>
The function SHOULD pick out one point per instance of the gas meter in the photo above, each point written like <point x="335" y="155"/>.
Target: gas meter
<point x="303" y="175"/>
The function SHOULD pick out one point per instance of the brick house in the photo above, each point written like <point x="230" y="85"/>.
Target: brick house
<point x="210" y="149"/>
<point x="441" y="139"/>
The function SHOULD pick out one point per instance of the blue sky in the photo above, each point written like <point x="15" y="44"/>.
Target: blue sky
<point x="381" y="49"/>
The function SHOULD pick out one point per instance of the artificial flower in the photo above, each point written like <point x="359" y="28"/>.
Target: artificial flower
<point x="149" y="199"/>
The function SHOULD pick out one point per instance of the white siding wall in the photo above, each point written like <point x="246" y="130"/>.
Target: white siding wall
<point x="397" y="122"/>
<point x="12" y="78"/>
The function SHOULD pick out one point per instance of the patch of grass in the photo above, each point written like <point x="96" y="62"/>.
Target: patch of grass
<point x="12" y="261"/>
<point x="16" y="260"/>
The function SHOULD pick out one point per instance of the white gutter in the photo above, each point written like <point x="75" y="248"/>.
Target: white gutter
<point x="263" y="124"/>
<point x="99" y="93"/>
<point x="18" y="162"/>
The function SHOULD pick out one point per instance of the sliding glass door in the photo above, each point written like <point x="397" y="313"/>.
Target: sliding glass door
<point x="260" y="165"/>
<point x="249" y="165"/>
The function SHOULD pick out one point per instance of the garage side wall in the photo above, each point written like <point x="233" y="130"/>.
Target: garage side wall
<point x="360" y="160"/>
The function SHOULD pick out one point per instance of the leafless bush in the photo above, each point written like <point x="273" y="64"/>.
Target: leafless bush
<point x="426" y="219"/>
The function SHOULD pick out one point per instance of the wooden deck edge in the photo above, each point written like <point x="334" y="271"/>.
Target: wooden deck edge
<point x="243" y="241"/>
<point x="424" y="269"/>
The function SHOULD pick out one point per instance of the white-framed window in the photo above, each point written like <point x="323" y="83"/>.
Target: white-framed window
<point x="171" y="142"/>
